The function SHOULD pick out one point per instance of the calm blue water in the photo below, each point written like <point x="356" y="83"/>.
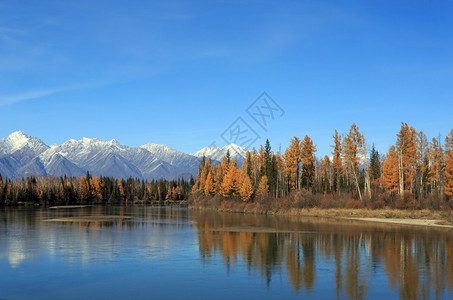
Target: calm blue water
<point x="176" y="253"/>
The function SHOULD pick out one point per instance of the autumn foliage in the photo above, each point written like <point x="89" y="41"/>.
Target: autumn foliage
<point x="48" y="190"/>
<point x="413" y="174"/>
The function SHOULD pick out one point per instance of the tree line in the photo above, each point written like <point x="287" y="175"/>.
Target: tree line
<point x="414" y="173"/>
<point x="90" y="189"/>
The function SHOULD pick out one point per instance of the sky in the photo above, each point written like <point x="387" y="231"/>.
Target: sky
<point x="184" y="73"/>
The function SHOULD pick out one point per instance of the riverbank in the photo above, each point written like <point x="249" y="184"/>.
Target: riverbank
<point x="427" y="218"/>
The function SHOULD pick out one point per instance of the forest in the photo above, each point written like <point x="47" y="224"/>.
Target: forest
<point x="48" y="190"/>
<point x="415" y="173"/>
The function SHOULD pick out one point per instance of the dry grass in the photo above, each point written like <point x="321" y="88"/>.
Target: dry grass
<point x="354" y="211"/>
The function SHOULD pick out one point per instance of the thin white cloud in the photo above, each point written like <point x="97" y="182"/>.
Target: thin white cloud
<point x="12" y="99"/>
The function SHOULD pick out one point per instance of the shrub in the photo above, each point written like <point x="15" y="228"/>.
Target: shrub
<point x="450" y="203"/>
<point x="353" y="203"/>
<point x="329" y="201"/>
<point x="304" y="198"/>
<point x="376" y="204"/>
<point x="406" y="201"/>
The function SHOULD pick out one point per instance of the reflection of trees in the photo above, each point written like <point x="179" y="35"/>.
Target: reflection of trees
<point x="418" y="262"/>
<point x="300" y="262"/>
<point x="25" y="233"/>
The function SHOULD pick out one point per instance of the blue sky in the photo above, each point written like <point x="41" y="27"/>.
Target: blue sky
<point x="180" y="72"/>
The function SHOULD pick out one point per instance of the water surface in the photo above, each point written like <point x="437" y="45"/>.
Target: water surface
<point x="159" y="252"/>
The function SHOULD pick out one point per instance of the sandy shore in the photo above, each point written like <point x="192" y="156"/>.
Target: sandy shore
<point x="426" y="218"/>
<point x="419" y="222"/>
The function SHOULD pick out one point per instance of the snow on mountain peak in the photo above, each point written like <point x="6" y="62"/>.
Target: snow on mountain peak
<point x="19" y="140"/>
<point x="216" y="153"/>
<point x="107" y="158"/>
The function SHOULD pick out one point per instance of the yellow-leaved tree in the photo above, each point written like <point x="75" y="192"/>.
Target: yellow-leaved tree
<point x="308" y="150"/>
<point x="230" y="183"/>
<point x="292" y="159"/>
<point x="263" y="188"/>
<point x="209" y="188"/>
<point x="246" y="189"/>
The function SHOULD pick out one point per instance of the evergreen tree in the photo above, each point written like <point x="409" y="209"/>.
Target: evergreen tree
<point x="337" y="162"/>
<point x="375" y="163"/>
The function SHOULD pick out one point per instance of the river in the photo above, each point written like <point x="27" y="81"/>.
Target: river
<point x="178" y="253"/>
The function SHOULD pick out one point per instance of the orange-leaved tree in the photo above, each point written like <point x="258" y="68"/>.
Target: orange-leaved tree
<point x="449" y="176"/>
<point x="390" y="170"/>
<point x="209" y="188"/>
<point x="308" y="150"/>
<point x="246" y="189"/>
<point x="292" y="159"/>
<point x="352" y="145"/>
<point x="230" y="183"/>
<point x="263" y="188"/>
<point x="406" y="146"/>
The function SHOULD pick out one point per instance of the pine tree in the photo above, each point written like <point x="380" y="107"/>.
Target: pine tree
<point x="337" y="163"/>
<point x="228" y="156"/>
<point x="269" y="166"/>
<point x="375" y="163"/>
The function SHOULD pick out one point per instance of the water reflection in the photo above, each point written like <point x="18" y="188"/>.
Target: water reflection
<point x="417" y="262"/>
<point x="78" y="235"/>
<point x="319" y="258"/>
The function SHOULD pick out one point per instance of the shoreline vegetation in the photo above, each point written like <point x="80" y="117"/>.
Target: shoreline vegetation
<point x="73" y="192"/>
<point x="413" y="181"/>
<point x="423" y="217"/>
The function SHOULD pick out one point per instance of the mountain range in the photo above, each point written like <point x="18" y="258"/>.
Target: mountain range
<point x="22" y="155"/>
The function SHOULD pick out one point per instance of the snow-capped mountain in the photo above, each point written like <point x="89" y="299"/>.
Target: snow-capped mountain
<point x="22" y="155"/>
<point x="237" y="153"/>
<point x="19" y="141"/>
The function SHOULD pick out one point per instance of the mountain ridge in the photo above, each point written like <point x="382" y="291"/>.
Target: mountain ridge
<point x="22" y="155"/>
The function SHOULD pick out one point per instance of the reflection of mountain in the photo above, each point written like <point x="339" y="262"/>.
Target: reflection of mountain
<point x="417" y="263"/>
<point x="27" y="235"/>
<point x="337" y="256"/>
